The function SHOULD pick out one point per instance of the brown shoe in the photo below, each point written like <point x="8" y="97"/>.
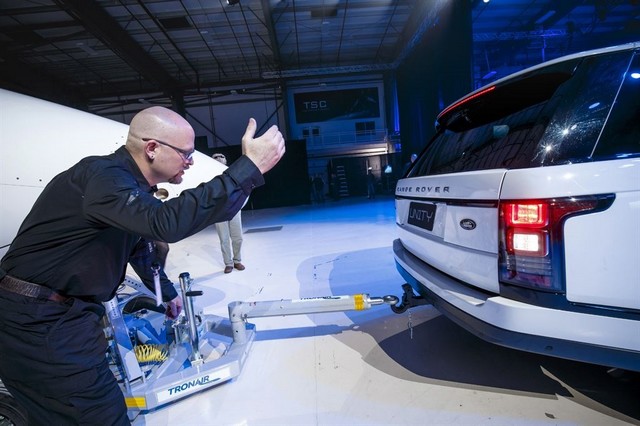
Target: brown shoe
<point x="239" y="266"/>
<point x="228" y="269"/>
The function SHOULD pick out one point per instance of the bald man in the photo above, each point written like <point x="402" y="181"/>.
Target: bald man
<point x="71" y="254"/>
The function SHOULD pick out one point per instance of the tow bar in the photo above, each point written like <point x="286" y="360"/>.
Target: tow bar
<point x="239" y="312"/>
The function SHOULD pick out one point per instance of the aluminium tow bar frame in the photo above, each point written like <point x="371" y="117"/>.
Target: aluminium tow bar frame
<point x="239" y="312"/>
<point x="208" y="349"/>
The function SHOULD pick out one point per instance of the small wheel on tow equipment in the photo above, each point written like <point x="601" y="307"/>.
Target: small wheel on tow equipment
<point x="11" y="414"/>
<point x="142" y="302"/>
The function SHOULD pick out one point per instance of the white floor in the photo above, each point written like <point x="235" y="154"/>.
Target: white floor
<point x="369" y="367"/>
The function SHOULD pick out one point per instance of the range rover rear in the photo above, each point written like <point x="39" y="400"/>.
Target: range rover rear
<point x="520" y="219"/>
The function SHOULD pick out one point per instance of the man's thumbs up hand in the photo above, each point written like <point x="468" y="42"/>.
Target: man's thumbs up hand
<point x="265" y="151"/>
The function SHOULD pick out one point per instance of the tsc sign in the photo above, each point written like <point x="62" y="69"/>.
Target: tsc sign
<point x="332" y="105"/>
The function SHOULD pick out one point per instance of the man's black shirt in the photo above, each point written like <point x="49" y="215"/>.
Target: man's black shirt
<point x="84" y="227"/>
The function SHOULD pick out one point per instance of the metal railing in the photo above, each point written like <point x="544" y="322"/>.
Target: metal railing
<point x="333" y="140"/>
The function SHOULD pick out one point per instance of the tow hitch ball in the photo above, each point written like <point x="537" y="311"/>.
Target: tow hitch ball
<point x="409" y="300"/>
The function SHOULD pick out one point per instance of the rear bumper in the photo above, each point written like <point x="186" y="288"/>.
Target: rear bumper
<point x="602" y="340"/>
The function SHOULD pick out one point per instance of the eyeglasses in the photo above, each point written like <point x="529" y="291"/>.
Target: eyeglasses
<point x="186" y="155"/>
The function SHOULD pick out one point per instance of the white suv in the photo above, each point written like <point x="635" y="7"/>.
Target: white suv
<point x="520" y="219"/>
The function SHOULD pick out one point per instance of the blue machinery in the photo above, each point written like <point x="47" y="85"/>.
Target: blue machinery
<point x="159" y="361"/>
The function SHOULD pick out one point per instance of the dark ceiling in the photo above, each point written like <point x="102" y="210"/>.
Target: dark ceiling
<point x="85" y="49"/>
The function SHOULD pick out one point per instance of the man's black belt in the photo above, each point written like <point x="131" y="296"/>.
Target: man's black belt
<point x="25" y="288"/>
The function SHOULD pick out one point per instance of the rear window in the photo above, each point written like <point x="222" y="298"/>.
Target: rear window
<point x="621" y="136"/>
<point x="551" y="116"/>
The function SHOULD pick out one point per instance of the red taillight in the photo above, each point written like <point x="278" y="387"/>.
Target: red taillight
<point x="531" y="240"/>
<point x="526" y="228"/>
<point x="526" y="214"/>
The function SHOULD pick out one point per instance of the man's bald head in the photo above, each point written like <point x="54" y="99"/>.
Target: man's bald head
<point x="160" y="141"/>
<point x="159" y="123"/>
